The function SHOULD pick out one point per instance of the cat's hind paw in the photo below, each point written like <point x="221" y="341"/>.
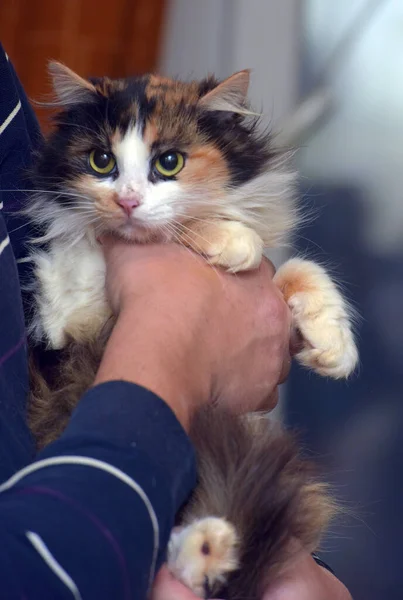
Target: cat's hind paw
<point x="202" y="554"/>
<point x="321" y="315"/>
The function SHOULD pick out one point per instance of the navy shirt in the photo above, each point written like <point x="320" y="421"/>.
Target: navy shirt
<point x="90" y="517"/>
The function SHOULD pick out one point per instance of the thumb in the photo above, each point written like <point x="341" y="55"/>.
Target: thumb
<point x="112" y="246"/>
<point x="107" y="241"/>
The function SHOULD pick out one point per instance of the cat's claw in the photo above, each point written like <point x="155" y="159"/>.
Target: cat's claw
<point x="322" y="316"/>
<point x="202" y="554"/>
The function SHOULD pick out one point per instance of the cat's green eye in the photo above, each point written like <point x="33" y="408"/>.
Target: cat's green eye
<point x="170" y="163"/>
<point x="102" y="162"/>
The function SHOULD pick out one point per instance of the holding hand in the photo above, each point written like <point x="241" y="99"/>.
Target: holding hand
<point x="193" y="334"/>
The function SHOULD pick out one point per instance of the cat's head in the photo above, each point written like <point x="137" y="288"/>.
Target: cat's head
<point x="142" y="156"/>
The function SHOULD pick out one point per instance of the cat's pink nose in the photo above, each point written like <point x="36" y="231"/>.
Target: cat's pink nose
<point x="129" y="203"/>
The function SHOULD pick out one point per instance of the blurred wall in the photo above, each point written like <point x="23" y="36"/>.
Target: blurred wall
<point x="223" y="36"/>
<point x="351" y="183"/>
<point x="352" y="172"/>
<point x="93" y="37"/>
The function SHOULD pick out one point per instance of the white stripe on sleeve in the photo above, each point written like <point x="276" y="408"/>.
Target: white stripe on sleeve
<point x="52" y="563"/>
<point x="10" y="117"/>
<point x="103" y="466"/>
<point x="4" y="243"/>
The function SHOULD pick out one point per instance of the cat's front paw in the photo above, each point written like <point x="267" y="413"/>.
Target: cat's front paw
<point x="202" y="554"/>
<point x="227" y="244"/>
<point x="321" y="315"/>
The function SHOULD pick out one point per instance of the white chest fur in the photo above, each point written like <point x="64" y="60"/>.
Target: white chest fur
<point x="70" y="300"/>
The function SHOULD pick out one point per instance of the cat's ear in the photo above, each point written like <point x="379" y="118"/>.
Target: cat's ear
<point x="229" y="96"/>
<point x="70" y="88"/>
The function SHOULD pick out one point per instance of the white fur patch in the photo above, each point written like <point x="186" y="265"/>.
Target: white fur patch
<point x="187" y="561"/>
<point x="323" y="317"/>
<point x="133" y="159"/>
<point x="71" y="294"/>
<point x="132" y="155"/>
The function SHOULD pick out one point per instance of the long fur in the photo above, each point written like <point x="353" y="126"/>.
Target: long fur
<point x="251" y="473"/>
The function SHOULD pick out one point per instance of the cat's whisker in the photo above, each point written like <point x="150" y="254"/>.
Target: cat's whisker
<point x="179" y="239"/>
<point x="39" y="191"/>
<point x="94" y="219"/>
<point x="182" y="226"/>
<point x="194" y="245"/>
<point x="83" y="203"/>
<point x="169" y="232"/>
<point x="85" y="209"/>
<point x="190" y="218"/>
<point x="20" y="227"/>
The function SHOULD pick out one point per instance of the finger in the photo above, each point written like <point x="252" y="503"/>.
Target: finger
<point x="108" y="244"/>
<point x="296" y="341"/>
<point x="268" y="266"/>
<point x="271" y="401"/>
<point x="285" y="369"/>
<point x="166" y="587"/>
<point x="265" y="271"/>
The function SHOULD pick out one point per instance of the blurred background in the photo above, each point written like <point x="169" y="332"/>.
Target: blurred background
<point x="328" y="76"/>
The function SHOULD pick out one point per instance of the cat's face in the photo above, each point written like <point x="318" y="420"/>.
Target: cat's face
<point x="142" y="156"/>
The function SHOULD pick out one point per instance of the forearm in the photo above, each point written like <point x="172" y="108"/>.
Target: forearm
<point x="148" y="348"/>
<point x="102" y="498"/>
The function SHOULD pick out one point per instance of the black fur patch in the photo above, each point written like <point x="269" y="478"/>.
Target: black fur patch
<point x="246" y="150"/>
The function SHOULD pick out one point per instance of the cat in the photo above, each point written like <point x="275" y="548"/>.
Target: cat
<point x="149" y="159"/>
<point x="155" y="159"/>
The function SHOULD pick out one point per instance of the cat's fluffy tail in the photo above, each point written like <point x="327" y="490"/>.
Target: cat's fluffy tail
<point x="252" y="474"/>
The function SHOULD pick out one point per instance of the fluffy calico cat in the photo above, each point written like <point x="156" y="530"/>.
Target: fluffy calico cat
<point x="150" y="159"/>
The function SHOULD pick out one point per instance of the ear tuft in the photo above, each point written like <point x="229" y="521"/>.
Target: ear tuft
<point x="70" y="88"/>
<point x="230" y="95"/>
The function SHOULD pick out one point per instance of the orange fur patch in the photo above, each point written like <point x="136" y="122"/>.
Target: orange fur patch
<point x="105" y="200"/>
<point x="172" y="91"/>
<point x="150" y="132"/>
<point x="294" y="282"/>
<point x="115" y="138"/>
<point x="106" y="86"/>
<point x="205" y="165"/>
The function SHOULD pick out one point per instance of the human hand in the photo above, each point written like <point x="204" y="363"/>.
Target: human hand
<point x="304" y="579"/>
<point x="166" y="587"/>
<point x="192" y="333"/>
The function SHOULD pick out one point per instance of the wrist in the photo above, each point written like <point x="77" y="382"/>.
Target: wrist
<point x="148" y="348"/>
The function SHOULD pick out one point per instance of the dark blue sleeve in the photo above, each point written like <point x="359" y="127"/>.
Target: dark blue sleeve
<point x="19" y="133"/>
<point x="91" y="518"/>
